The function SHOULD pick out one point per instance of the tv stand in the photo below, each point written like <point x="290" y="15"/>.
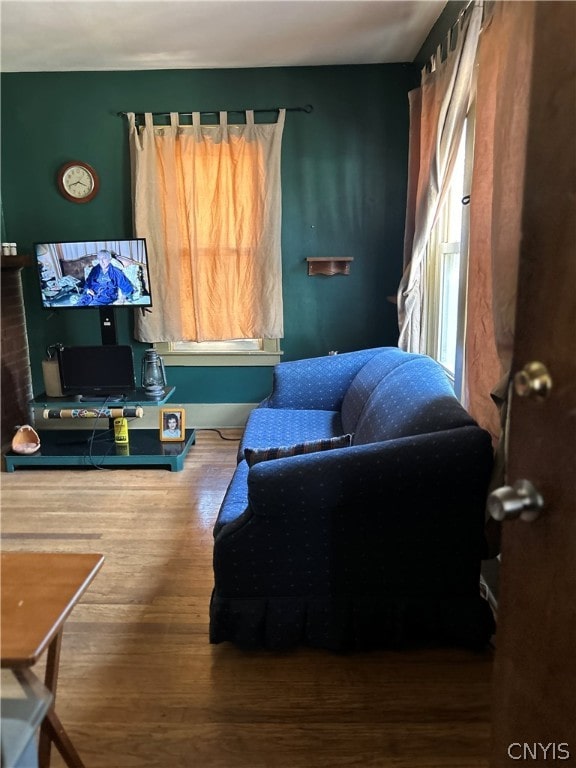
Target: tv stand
<point x="96" y="448"/>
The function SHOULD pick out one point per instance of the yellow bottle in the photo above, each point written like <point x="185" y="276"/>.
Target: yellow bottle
<point x="121" y="431"/>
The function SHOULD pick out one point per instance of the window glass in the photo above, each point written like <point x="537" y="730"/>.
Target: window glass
<point x="446" y="269"/>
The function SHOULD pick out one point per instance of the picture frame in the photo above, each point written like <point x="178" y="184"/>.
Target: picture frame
<point x="172" y="425"/>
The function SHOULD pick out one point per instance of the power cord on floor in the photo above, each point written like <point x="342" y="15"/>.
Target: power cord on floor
<point x="208" y="429"/>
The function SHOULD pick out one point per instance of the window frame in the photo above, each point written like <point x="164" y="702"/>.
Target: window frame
<point x="232" y="353"/>
<point x="439" y="245"/>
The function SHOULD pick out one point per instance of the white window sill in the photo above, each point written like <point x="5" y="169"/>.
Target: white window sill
<point x="229" y="357"/>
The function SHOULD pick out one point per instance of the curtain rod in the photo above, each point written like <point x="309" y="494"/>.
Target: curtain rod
<point x="446" y="45"/>
<point x="308" y="108"/>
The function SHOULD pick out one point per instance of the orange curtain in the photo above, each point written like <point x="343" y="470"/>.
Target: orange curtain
<point x="207" y="199"/>
<point x="495" y="207"/>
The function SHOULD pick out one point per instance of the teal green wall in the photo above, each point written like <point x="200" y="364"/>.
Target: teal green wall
<point x="343" y="185"/>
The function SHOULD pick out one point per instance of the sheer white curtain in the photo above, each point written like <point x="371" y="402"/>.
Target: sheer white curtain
<point x="437" y="117"/>
<point x="207" y="198"/>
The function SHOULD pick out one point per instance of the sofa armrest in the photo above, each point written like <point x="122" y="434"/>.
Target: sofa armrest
<point x="416" y="468"/>
<point x="317" y="383"/>
<point x="418" y="502"/>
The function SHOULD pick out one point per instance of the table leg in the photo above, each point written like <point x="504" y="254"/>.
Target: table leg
<point x="52" y="729"/>
<point x="56" y="733"/>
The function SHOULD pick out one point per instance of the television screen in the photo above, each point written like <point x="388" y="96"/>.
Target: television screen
<point x="93" y="273"/>
<point x="101" y="372"/>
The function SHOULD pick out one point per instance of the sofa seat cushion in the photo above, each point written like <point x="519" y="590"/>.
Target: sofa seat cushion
<point x="274" y="427"/>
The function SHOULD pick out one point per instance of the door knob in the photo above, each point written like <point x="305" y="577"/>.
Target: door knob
<point x="533" y="381"/>
<point x="520" y="500"/>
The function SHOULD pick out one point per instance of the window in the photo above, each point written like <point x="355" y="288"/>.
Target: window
<point x="207" y="199"/>
<point x="446" y="269"/>
<point x="221" y="353"/>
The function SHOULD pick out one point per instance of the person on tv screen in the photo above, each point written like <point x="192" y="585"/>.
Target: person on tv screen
<point x="171" y="426"/>
<point x="104" y="282"/>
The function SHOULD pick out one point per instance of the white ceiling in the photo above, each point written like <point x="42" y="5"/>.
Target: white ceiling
<point x="77" y="35"/>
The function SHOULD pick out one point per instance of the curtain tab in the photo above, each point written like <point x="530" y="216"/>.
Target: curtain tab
<point x="174" y="119"/>
<point x="224" y="119"/>
<point x="249" y="117"/>
<point x="133" y="130"/>
<point x="281" y="116"/>
<point x="196" y="119"/>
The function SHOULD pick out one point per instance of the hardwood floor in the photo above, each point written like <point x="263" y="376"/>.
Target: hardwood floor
<point x="141" y="687"/>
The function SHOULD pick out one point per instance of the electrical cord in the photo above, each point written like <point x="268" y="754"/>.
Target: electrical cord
<point x="209" y="429"/>
<point x="101" y="436"/>
<point x="95" y="459"/>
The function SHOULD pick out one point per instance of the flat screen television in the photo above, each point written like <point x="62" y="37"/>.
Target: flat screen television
<point x="101" y="372"/>
<point x="93" y="273"/>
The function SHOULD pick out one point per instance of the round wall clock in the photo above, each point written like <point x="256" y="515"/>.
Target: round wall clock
<point x="78" y="181"/>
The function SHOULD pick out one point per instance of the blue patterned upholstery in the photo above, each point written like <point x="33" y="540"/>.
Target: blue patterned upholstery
<point x="268" y="428"/>
<point x="412" y="399"/>
<point x="364" y="383"/>
<point x="236" y="497"/>
<point x="373" y="545"/>
<point x="318" y="383"/>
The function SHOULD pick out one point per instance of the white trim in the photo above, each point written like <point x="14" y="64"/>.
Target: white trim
<point x="442" y="243"/>
<point x="465" y="254"/>
<point x="221" y="415"/>
<point x="269" y="354"/>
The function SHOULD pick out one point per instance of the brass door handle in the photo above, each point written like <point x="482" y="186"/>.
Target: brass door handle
<point x="533" y="381"/>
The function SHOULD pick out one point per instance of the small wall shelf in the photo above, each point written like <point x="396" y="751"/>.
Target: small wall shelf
<point x="15" y="262"/>
<point x="329" y="265"/>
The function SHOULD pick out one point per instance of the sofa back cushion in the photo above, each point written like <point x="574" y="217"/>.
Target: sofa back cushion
<point x="413" y="396"/>
<point x="316" y="383"/>
<point x="366" y="381"/>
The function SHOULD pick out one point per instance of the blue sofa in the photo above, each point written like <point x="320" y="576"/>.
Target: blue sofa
<point x="373" y="545"/>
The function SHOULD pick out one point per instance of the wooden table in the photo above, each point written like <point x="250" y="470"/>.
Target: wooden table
<point x="39" y="590"/>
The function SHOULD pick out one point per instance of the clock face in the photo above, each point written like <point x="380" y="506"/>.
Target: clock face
<point x="78" y="182"/>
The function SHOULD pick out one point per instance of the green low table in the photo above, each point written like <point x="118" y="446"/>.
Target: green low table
<point x="85" y="448"/>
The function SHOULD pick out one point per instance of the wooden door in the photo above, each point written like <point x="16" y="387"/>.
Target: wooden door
<point x="534" y="714"/>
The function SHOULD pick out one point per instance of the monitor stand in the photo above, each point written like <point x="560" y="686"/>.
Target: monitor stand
<point x="108" y="325"/>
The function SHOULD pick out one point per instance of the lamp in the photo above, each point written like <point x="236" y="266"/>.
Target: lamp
<point x="153" y="374"/>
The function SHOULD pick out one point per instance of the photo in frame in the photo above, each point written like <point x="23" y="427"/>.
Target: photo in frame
<point x="172" y="425"/>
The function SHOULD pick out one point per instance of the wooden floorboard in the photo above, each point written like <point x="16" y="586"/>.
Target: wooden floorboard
<point x="141" y="687"/>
